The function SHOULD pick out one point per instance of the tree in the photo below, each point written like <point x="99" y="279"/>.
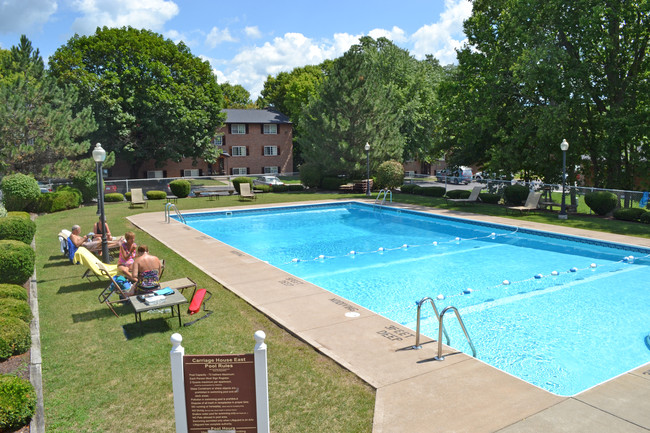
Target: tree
<point x="152" y="98"/>
<point x="536" y="72"/>
<point x="39" y="133"/>
<point x="236" y="96"/>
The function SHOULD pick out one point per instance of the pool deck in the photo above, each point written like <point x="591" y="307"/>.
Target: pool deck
<point x="414" y="392"/>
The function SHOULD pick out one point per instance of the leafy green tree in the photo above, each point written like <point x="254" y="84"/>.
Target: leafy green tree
<point x="236" y="96"/>
<point x="39" y="132"/>
<point x="536" y="72"/>
<point x="152" y="98"/>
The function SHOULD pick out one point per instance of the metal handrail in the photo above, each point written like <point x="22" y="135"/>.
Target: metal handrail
<point x="385" y="192"/>
<point x="462" y="325"/>
<point x="417" y="329"/>
<point x="168" y="208"/>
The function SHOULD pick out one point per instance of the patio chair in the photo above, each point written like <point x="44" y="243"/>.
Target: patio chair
<point x="245" y="191"/>
<point x="473" y="196"/>
<point x="113" y="288"/>
<point x="93" y="265"/>
<point x="64" y="235"/>
<point x="137" y="198"/>
<point x="531" y="203"/>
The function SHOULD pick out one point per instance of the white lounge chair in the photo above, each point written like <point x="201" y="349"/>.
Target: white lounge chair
<point x="531" y="203"/>
<point x="473" y="196"/>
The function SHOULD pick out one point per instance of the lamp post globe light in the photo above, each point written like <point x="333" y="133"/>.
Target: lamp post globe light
<point x="367" y="149"/>
<point x="99" y="155"/>
<point x="564" y="146"/>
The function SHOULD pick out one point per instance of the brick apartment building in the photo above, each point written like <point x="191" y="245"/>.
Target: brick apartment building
<point x="252" y="142"/>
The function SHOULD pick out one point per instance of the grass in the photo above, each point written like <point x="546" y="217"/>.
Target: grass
<point x="101" y="375"/>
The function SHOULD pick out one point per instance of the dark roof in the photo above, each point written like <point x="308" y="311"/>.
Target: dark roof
<point x="267" y="115"/>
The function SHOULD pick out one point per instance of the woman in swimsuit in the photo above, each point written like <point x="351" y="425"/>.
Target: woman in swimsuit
<point x="147" y="268"/>
<point x="127" y="256"/>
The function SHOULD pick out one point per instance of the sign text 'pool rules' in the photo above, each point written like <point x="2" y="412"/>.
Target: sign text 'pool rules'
<point x="220" y="393"/>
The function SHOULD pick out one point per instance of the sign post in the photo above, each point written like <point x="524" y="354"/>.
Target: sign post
<point x="220" y="393"/>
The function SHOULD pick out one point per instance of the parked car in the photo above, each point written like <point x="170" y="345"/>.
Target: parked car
<point x="45" y="187"/>
<point x="267" y="180"/>
<point x="108" y="189"/>
<point x="456" y="176"/>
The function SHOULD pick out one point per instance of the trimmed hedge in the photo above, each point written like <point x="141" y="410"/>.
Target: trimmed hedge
<point x="156" y="195"/>
<point x="262" y="188"/>
<point x="311" y="175"/>
<point x="113" y="197"/>
<point x="629" y="214"/>
<point x="489" y="198"/>
<point x="13" y="291"/>
<point x="515" y="194"/>
<point x="408" y="188"/>
<point x="645" y="218"/>
<point x="15" y="337"/>
<point x="331" y="183"/>
<point x="601" y="202"/>
<point x="242" y="179"/>
<point x="16" y="308"/>
<point x="127" y="196"/>
<point x="180" y="188"/>
<point x="19" y="191"/>
<point x="295" y="187"/>
<point x="430" y="191"/>
<point x="19" y="214"/>
<point x="458" y="193"/>
<point x="390" y="174"/>
<point x="86" y="183"/>
<point x="279" y="188"/>
<point x="16" y="262"/>
<point x="17" y="228"/>
<point x="17" y="402"/>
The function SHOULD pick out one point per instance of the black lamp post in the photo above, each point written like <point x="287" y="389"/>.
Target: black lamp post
<point x="367" y="148"/>
<point x="99" y="155"/>
<point x="564" y="146"/>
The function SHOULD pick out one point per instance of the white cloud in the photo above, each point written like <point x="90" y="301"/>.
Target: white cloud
<point x="216" y="36"/>
<point x="149" y="14"/>
<point x="396" y="34"/>
<point x="253" y="32"/>
<point x="442" y="38"/>
<point x="20" y="16"/>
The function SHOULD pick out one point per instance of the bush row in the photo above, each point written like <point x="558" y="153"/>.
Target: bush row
<point x="17" y="402"/>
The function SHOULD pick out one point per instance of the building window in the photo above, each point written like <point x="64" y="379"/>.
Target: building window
<point x="217" y="140"/>
<point x="238" y="171"/>
<point x="270" y="128"/>
<point x="238" y="151"/>
<point x="271" y="170"/>
<point x="194" y="172"/>
<point x="154" y="174"/>
<point x="238" y="128"/>
<point x="270" y="150"/>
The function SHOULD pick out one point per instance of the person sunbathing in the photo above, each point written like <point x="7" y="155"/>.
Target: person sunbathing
<point x="147" y="268"/>
<point x="88" y="241"/>
<point x="127" y="255"/>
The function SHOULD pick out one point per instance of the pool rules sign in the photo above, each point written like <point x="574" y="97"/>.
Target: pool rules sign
<point x="220" y="393"/>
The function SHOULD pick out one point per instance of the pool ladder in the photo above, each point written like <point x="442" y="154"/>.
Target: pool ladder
<point x="384" y="192"/>
<point x="441" y="328"/>
<point x="168" y="209"/>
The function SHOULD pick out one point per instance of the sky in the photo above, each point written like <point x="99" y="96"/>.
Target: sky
<point x="247" y="40"/>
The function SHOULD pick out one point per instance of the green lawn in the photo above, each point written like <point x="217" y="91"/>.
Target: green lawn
<point x="100" y="375"/>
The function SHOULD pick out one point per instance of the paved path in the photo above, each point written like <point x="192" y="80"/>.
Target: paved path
<point x="414" y="393"/>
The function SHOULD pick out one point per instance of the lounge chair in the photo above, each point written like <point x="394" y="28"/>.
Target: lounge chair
<point x="113" y="288"/>
<point x="93" y="264"/>
<point x="245" y="191"/>
<point x="473" y="196"/>
<point x="137" y="198"/>
<point x="531" y="203"/>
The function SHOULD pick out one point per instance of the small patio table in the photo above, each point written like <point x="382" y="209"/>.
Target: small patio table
<point x="173" y="300"/>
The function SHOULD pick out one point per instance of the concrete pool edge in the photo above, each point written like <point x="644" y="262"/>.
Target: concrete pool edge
<point x="460" y="394"/>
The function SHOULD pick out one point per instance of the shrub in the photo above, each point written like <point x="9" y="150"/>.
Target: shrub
<point x="458" y="193"/>
<point x="73" y="190"/>
<point x="311" y="175"/>
<point x="408" y="188"/>
<point x="3" y="211"/>
<point x="645" y="218"/>
<point x="16" y="262"/>
<point x="629" y="214"/>
<point x="262" y="188"/>
<point x="156" y="195"/>
<point x="601" y="202"/>
<point x="113" y="197"/>
<point x="242" y="179"/>
<point x="86" y="182"/>
<point x="331" y="183"/>
<point x="17" y="402"/>
<point x="19" y="214"/>
<point x="15" y="337"/>
<point x="127" y="196"/>
<point x="16" y="308"/>
<point x="431" y="191"/>
<point x="17" y="228"/>
<point x="13" y="291"/>
<point x="180" y="188"/>
<point x="19" y="191"/>
<point x="390" y="175"/>
<point x="57" y="201"/>
<point x="279" y="188"/>
<point x="515" y="194"/>
<point x="295" y="187"/>
<point x="489" y="198"/>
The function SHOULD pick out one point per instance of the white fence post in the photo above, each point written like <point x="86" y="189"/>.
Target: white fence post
<point x="261" y="384"/>
<point x="178" y="385"/>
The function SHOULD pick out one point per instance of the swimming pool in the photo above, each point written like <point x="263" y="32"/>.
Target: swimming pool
<point x="574" y="313"/>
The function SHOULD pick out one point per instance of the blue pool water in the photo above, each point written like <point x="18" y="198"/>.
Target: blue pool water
<point x="574" y="314"/>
